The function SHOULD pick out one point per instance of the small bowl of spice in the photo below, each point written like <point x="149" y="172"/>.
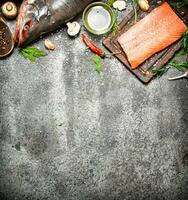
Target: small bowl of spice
<point x="98" y="18"/>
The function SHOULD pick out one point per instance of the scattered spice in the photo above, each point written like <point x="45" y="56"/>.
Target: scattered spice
<point x="32" y="53"/>
<point x="93" y="48"/>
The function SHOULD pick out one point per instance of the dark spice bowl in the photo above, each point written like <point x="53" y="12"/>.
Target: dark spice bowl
<point x="6" y="39"/>
<point x="98" y="18"/>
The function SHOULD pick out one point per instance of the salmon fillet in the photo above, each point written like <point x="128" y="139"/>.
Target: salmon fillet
<point x="153" y="33"/>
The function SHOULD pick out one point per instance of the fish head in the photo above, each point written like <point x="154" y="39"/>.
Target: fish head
<point x="24" y="23"/>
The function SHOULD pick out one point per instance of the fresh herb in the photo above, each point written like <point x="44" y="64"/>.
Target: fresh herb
<point x="110" y="2"/>
<point x="134" y="5"/>
<point x="184" y="46"/>
<point x="185" y="42"/>
<point x="32" y="53"/>
<point x="1" y="35"/>
<point x="179" y="66"/>
<point x="98" y="63"/>
<point x="181" y="52"/>
<point x="115" y="25"/>
<point x="179" y="3"/>
<point x="159" y="72"/>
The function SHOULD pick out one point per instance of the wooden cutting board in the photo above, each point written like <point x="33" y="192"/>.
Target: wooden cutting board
<point x="143" y="73"/>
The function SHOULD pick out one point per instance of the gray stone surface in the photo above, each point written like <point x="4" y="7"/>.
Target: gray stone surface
<point x="68" y="133"/>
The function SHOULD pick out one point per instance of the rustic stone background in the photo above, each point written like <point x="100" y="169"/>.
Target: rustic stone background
<point x="68" y="133"/>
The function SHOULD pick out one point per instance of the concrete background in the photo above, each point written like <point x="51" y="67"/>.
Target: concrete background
<point x="68" y="133"/>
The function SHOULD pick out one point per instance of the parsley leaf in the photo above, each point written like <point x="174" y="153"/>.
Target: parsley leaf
<point x="98" y="63"/>
<point x="32" y="53"/>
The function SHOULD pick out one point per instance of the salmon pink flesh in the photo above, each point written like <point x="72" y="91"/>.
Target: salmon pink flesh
<point x="155" y="32"/>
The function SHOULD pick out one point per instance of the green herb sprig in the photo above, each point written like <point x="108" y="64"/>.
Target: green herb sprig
<point x="115" y="25"/>
<point x="98" y="64"/>
<point x="32" y="53"/>
<point x="179" y="66"/>
<point x="174" y="63"/>
<point x="159" y="72"/>
<point x="185" y="42"/>
<point x="134" y="5"/>
<point x="110" y="2"/>
<point x="178" y="4"/>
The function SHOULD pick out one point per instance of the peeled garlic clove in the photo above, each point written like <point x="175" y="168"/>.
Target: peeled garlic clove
<point x="73" y="28"/>
<point x="49" y="45"/>
<point x="144" y="5"/>
<point x="120" y="5"/>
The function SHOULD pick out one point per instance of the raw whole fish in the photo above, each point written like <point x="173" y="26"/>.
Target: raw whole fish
<point x="153" y="33"/>
<point x="37" y="17"/>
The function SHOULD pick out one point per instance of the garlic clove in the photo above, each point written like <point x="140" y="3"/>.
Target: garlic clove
<point x="144" y="5"/>
<point x="49" y="45"/>
<point x="73" y="28"/>
<point x="120" y="5"/>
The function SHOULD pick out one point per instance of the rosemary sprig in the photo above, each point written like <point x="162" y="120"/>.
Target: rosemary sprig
<point x="159" y="72"/>
<point x="179" y="66"/>
<point x="134" y="5"/>
<point x="115" y="25"/>
<point x="185" y="42"/>
<point x="184" y="46"/>
<point x="179" y="3"/>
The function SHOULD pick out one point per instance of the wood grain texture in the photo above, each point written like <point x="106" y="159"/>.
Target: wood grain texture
<point x="143" y="73"/>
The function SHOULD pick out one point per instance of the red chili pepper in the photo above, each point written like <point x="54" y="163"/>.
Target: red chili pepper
<point x="93" y="48"/>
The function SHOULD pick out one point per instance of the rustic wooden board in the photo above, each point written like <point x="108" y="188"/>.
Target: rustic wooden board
<point x="157" y="61"/>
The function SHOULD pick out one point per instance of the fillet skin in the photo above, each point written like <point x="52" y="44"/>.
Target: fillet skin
<point x="153" y="33"/>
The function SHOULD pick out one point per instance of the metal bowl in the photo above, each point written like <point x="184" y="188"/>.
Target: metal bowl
<point x="107" y="11"/>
